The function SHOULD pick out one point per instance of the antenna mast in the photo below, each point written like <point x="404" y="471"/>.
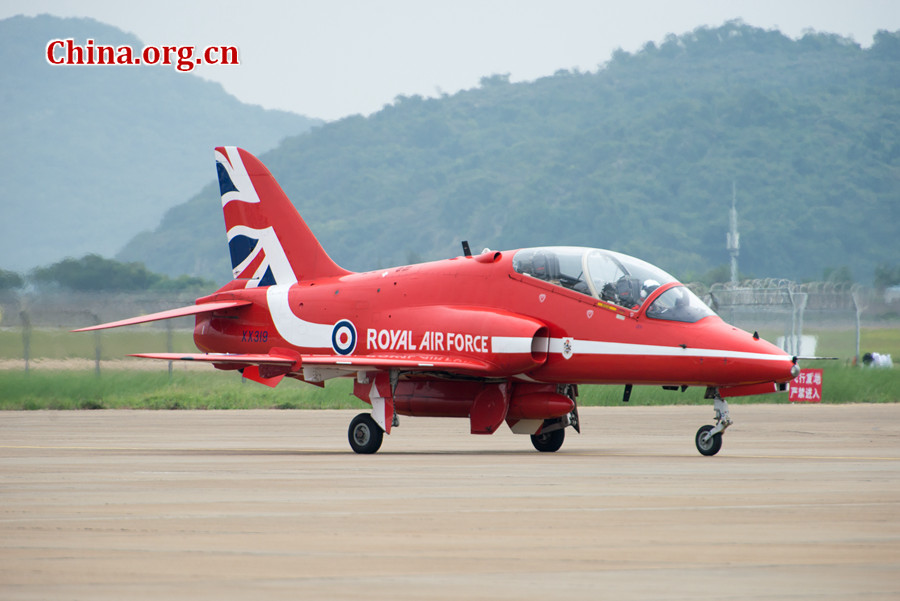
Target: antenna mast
<point x="733" y="238"/>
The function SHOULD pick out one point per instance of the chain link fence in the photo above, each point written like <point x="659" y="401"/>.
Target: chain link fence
<point x="26" y="318"/>
<point x="800" y="317"/>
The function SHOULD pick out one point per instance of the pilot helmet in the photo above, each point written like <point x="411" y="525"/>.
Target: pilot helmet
<point x="648" y="288"/>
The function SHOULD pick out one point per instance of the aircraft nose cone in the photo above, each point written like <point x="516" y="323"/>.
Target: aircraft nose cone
<point x="753" y="360"/>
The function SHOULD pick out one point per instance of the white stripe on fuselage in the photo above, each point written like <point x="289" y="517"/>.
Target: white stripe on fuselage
<point x="290" y="327"/>
<point x="595" y="347"/>
<point x="504" y="345"/>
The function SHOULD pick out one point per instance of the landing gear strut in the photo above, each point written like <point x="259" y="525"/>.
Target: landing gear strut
<point x="709" y="438"/>
<point x="553" y="431"/>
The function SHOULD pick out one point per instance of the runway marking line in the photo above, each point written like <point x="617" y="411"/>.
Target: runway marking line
<point x="154" y="450"/>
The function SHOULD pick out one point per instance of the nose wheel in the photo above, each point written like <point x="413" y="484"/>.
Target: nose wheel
<point x="709" y="438"/>
<point x="708" y="444"/>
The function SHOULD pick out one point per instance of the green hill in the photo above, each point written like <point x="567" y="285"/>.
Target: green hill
<point x="638" y="156"/>
<point x="91" y="156"/>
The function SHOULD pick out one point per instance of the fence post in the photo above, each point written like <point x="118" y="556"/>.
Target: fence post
<point x="802" y="297"/>
<point x="26" y="337"/>
<point x="98" y="345"/>
<point x="169" y="345"/>
<point x="859" y="304"/>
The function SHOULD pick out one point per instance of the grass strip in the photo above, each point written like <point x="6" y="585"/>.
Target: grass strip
<point x="114" y="389"/>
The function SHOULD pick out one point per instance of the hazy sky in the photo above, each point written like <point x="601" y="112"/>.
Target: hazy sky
<point x="330" y="59"/>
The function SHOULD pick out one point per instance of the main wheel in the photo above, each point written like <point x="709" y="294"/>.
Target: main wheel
<point x="549" y="442"/>
<point x="364" y="434"/>
<point x="708" y="445"/>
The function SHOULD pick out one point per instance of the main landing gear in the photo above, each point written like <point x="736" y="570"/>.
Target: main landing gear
<point x="553" y="432"/>
<point x="548" y="442"/>
<point x="709" y="438"/>
<point x="365" y="434"/>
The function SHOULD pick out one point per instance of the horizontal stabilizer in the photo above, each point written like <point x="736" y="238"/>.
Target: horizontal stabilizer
<point x="268" y="369"/>
<point x="221" y="358"/>
<point x="170" y="314"/>
<point x="350" y="364"/>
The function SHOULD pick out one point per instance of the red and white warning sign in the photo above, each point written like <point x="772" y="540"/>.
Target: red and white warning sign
<point x="807" y="387"/>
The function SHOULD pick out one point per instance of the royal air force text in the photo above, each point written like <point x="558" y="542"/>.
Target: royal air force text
<point x="404" y="340"/>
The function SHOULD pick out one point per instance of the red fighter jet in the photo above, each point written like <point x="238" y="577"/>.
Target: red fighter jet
<point x="498" y="337"/>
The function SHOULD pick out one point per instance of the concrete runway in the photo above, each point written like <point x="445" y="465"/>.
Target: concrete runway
<point x="803" y="502"/>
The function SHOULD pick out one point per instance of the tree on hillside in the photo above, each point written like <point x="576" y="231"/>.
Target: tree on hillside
<point x="838" y="275"/>
<point x="95" y="273"/>
<point x="10" y="280"/>
<point x="887" y="276"/>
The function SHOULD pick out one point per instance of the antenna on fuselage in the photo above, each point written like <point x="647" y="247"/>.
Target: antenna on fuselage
<point x="466" y="251"/>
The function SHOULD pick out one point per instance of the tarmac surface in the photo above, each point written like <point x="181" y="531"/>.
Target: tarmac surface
<point x="803" y="502"/>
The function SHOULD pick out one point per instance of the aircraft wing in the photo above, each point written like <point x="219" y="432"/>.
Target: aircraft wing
<point x="347" y="364"/>
<point x="171" y="313"/>
<point x="270" y="368"/>
<point x="406" y="362"/>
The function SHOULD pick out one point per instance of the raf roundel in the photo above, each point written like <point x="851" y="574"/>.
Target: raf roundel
<point x="343" y="337"/>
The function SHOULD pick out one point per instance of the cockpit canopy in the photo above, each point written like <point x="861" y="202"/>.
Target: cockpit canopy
<point x="611" y="277"/>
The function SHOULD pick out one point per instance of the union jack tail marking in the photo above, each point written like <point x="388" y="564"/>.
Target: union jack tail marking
<point x="268" y="241"/>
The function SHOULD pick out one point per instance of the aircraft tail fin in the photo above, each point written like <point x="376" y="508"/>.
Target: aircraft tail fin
<point x="268" y="240"/>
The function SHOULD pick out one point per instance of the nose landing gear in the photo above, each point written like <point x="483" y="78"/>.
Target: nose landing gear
<point x="709" y="438"/>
